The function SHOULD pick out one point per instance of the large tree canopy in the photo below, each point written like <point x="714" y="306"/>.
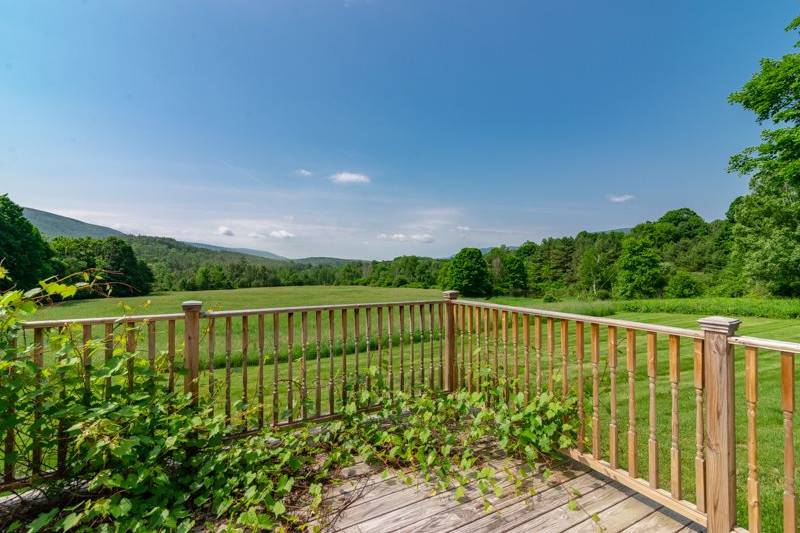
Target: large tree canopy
<point x="23" y="251"/>
<point x="766" y="222"/>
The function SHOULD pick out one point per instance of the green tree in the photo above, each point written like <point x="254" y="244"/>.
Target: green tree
<point x="766" y="222"/>
<point x="639" y="272"/>
<point x="23" y="252"/>
<point x="469" y="274"/>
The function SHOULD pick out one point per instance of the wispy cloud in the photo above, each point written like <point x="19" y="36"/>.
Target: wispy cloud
<point x="303" y="172"/>
<point x="620" y="198"/>
<point x="350" y="177"/>
<point x="462" y="228"/>
<point x="225" y="230"/>
<point x="281" y="234"/>
<point x="423" y="237"/>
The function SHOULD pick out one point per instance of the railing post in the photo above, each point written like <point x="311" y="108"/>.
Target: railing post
<point x="450" y="341"/>
<point x="191" y="348"/>
<point x="720" y="446"/>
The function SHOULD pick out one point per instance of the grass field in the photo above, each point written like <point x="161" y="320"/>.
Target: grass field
<point x="770" y="417"/>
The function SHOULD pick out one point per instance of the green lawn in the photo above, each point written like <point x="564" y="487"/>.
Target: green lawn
<point x="770" y="417"/>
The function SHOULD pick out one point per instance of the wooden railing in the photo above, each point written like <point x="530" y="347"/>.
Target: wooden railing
<point x="656" y="404"/>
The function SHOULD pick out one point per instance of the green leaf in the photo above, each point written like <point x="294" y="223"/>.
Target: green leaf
<point x="42" y="520"/>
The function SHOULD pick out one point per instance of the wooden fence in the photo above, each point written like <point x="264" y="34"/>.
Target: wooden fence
<point x="283" y="366"/>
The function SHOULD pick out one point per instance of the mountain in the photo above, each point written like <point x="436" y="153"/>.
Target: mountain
<point x="248" y="251"/>
<point x="53" y="225"/>
<point x="178" y="254"/>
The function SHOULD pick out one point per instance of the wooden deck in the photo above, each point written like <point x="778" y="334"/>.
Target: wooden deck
<point x="571" y="498"/>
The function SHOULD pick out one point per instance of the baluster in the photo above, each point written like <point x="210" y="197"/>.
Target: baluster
<point x="699" y="457"/>
<point x="245" y="355"/>
<point x="331" y="362"/>
<point x="276" y="351"/>
<point x="564" y="358"/>
<point x="505" y="351"/>
<point x="787" y="404"/>
<point x="595" y="354"/>
<point x="61" y="437"/>
<point x="318" y="341"/>
<point x="470" y="348"/>
<point x="537" y="334"/>
<point x="290" y="365"/>
<point x="631" y="352"/>
<point x="751" y="398"/>
<point x="390" y="318"/>
<point x="496" y="362"/>
<point x="652" y="443"/>
<point x="526" y="339"/>
<point x="151" y="346"/>
<point x="411" y="319"/>
<point x="369" y="348"/>
<point x="108" y="337"/>
<point x="613" y="437"/>
<point x="87" y="363"/>
<point x="675" y="451"/>
<point x="228" y="353"/>
<point x="357" y="342"/>
<point x="430" y="340"/>
<point x="38" y="361"/>
<point x="422" y="345"/>
<point x="211" y="349"/>
<point x="303" y="370"/>
<point x="515" y="346"/>
<point x="380" y="344"/>
<point x="8" y="451"/>
<point x="261" y="352"/>
<point x="479" y="350"/>
<point x="130" y="348"/>
<point x="551" y="348"/>
<point x="441" y="346"/>
<point x="461" y="325"/>
<point x="579" y="352"/>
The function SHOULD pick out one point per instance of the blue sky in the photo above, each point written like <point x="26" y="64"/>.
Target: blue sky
<point x="377" y="128"/>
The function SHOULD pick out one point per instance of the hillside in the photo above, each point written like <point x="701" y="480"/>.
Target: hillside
<point x="248" y="251"/>
<point x="53" y="225"/>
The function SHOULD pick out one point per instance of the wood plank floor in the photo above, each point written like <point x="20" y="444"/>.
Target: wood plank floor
<point x="568" y="498"/>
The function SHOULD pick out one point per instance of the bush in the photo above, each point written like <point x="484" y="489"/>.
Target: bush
<point x="549" y="298"/>
<point x="602" y="294"/>
<point x="683" y="285"/>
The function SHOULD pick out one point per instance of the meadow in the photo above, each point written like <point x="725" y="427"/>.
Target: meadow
<point x="764" y="318"/>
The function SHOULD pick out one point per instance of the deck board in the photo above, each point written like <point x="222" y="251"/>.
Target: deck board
<point x="571" y="499"/>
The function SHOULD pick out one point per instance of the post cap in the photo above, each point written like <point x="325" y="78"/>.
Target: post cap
<point x="450" y="295"/>
<point x="719" y="324"/>
<point x="192" y="305"/>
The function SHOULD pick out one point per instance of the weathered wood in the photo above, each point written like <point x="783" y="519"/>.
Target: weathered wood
<point x="564" y="357"/>
<point x="422" y="345"/>
<point x="303" y="369"/>
<point x="515" y="348"/>
<point x="192" y="353"/>
<point x="390" y="359"/>
<point x="332" y="358"/>
<point x="631" y="367"/>
<point x="551" y="348"/>
<point x="38" y="361"/>
<point x="652" y="443"/>
<point x="595" y="355"/>
<point x="479" y="349"/>
<point x="344" y="353"/>
<point x="431" y="379"/>
<point x="290" y="366"/>
<point x="440" y="307"/>
<point x="245" y="362"/>
<point x="191" y="349"/>
<point x="228" y="377"/>
<point x="368" y="337"/>
<point x="260" y="384"/>
<point x="751" y="399"/>
<point x="579" y="354"/>
<point x="537" y="341"/>
<point x="402" y="349"/>
<point x="357" y="343"/>
<point x="318" y="344"/>
<point x="210" y="332"/>
<point x="108" y="337"/>
<point x="613" y="435"/>
<point x="675" y="450"/>
<point x="699" y="439"/>
<point x="504" y="318"/>
<point x="787" y="405"/>
<point x="526" y="339"/>
<point x="618" y="517"/>
<point x="450" y="341"/>
<point x="718" y="380"/>
<point x="276" y="347"/>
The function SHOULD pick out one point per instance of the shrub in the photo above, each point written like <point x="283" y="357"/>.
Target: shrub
<point x="549" y="298"/>
<point x="683" y="285"/>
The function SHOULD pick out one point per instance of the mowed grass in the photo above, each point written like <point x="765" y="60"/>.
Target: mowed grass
<point x="769" y="415"/>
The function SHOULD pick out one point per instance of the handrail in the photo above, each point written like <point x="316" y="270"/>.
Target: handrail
<point x="64" y="322"/>
<point x="624" y="324"/>
<point x="311" y="308"/>
<point x="766" y="344"/>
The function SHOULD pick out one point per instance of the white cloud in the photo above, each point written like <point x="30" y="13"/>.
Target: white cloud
<point x="281" y="234"/>
<point x="225" y="230"/>
<point x="349" y="177"/>
<point x="303" y="172"/>
<point x="256" y="235"/>
<point x="462" y="228"/>
<point x="620" y="198"/>
<point x="402" y="237"/>
<point x="423" y="237"/>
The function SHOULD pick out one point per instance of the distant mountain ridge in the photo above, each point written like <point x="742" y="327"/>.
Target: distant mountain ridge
<point x="149" y="248"/>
